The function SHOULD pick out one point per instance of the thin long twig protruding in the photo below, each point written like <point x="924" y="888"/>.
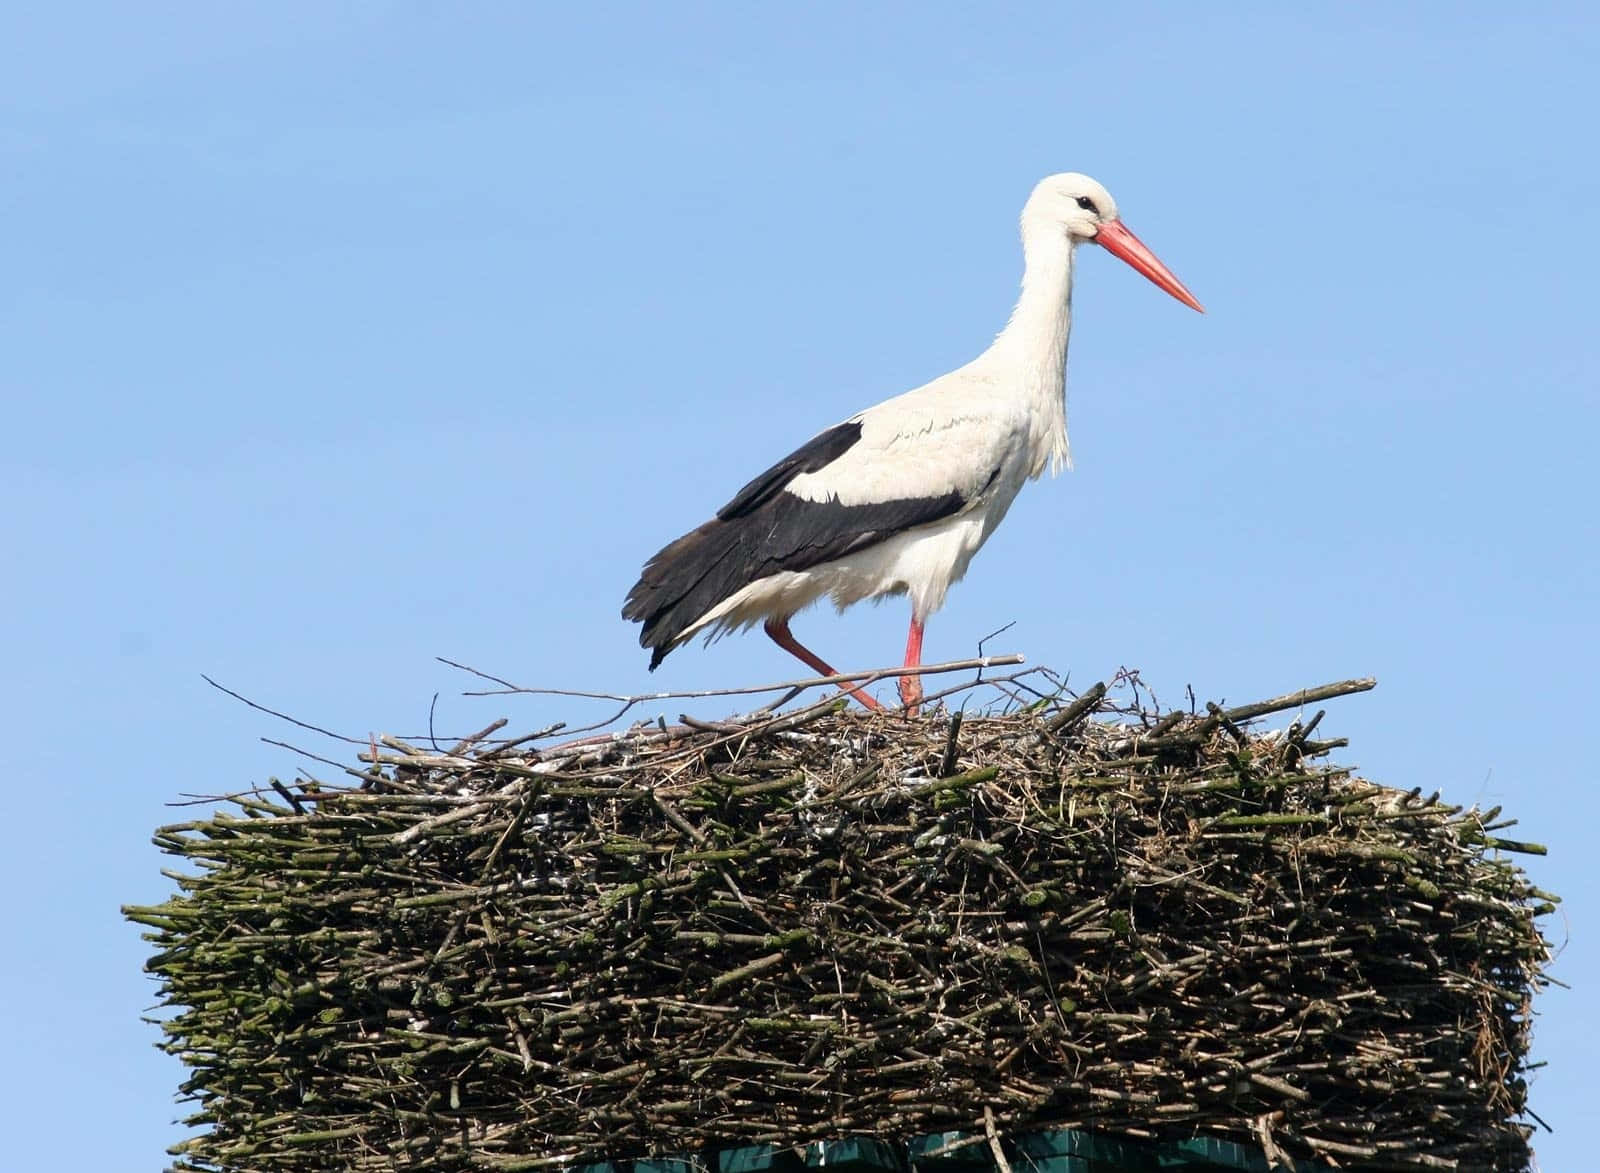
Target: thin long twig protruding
<point x="509" y="689"/>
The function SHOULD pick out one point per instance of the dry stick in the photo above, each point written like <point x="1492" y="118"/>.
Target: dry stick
<point x="1081" y="707"/>
<point x="1269" y="1149"/>
<point x="771" y="725"/>
<point x="288" y="796"/>
<point x="793" y="687"/>
<point x="947" y="764"/>
<point x="472" y="739"/>
<point x="285" y="716"/>
<point x="739" y="725"/>
<point x="994" y="1141"/>
<point x="1295" y="700"/>
<point x="967" y="685"/>
<point x="364" y="775"/>
<point x="813" y="682"/>
<point x="1220" y="717"/>
<point x="1161" y="739"/>
<point x="676" y="818"/>
<point x="761" y="724"/>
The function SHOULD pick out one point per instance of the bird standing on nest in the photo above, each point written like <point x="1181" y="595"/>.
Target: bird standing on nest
<point x="899" y="497"/>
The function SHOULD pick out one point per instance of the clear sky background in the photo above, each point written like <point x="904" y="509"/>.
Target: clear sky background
<point x="335" y="337"/>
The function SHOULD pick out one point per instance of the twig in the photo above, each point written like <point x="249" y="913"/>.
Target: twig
<point x="813" y="682"/>
<point x="288" y="796"/>
<point x="472" y="739"/>
<point x="997" y="631"/>
<point x="1295" y="700"/>
<point x="994" y="1141"/>
<point x="947" y="764"/>
<point x="285" y="716"/>
<point x="1079" y="708"/>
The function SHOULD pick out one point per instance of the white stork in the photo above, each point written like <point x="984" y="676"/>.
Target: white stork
<point x="898" y="498"/>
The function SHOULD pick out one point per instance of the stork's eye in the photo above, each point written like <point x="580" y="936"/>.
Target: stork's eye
<point x="1087" y="205"/>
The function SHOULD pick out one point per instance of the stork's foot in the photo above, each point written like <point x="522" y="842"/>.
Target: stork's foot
<point x="911" y="694"/>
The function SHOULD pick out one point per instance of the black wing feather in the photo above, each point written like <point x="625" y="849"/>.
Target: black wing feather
<point x="762" y="531"/>
<point x="814" y="455"/>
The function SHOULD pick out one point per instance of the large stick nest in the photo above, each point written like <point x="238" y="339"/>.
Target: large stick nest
<point x="825" y="923"/>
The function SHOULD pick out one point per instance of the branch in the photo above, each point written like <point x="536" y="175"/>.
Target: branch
<point x="281" y="716"/>
<point x="1295" y="700"/>
<point x="507" y="688"/>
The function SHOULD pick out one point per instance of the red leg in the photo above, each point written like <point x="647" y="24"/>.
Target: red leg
<point x="778" y="629"/>
<point x="911" y="686"/>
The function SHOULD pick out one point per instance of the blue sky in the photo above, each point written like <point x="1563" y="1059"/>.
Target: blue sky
<point x="338" y="337"/>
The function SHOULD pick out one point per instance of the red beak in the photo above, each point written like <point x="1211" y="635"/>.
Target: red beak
<point x="1119" y="242"/>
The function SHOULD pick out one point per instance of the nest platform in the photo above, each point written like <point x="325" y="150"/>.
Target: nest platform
<point x="792" y="927"/>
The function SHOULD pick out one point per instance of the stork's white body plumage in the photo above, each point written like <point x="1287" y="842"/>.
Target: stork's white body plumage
<point x="911" y="446"/>
<point x="898" y="498"/>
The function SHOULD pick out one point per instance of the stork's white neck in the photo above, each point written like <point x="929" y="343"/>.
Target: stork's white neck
<point x="1031" y="351"/>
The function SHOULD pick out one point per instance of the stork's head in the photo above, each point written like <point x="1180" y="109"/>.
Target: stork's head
<point x="1084" y="210"/>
